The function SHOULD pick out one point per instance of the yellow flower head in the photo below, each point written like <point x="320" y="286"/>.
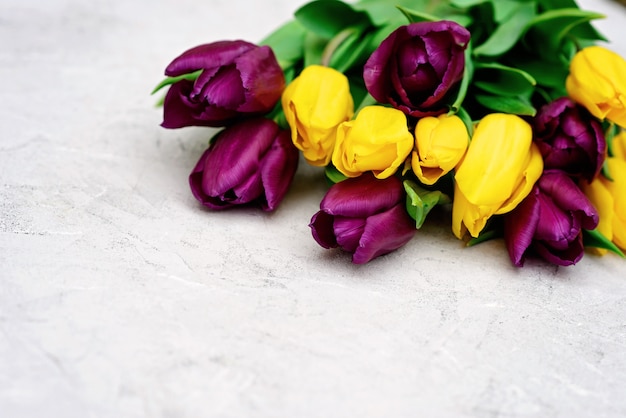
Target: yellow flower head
<point x="597" y="80"/>
<point x="315" y="103"/>
<point x="377" y="140"/>
<point x="609" y="199"/>
<point x="498" y="171"/>
<point x="440" y="144"/>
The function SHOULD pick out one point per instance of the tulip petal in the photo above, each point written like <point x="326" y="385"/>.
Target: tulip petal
<point x="602" y="199"/>
<point x="571" y="255"/>
<point x="224" y="89"/>
<point x="211" y="55"/>
<point x="263" y="81"/>
<point x="361" y="196"/>
<point x="377" y="66"/>
<point x="348" y="232"/>
<point x="617" y="168"/>
<point x="322" y="229"/>
<point x="520" y="226"/>
<point x="568" y="196"/>
<point x="278" y="168"/>
<point x="484" y="176"/>
<point x="558" y="226"/>
<point x="384" y="233"/>
<point x="528" y="178"/>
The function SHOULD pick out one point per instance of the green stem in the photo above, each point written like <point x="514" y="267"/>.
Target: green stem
<point x="333" y="44"/>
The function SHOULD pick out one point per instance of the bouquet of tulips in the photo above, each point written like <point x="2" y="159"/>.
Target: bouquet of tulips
<point x="507" y="114"/>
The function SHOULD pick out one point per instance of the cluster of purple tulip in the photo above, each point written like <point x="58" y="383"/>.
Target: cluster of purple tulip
<point x="238" y="86"/>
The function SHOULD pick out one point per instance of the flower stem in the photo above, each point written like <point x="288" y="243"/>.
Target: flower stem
<point x="333" y="44"/>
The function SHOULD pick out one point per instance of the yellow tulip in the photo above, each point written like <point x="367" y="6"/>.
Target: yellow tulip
<point x="597" y="80"/>
<point x="315" y="103"/>
<point x="440" y="144"/>
<point x="498" y="171"/>
<point x="378" y="139"/>
<point x="609" y="199"/>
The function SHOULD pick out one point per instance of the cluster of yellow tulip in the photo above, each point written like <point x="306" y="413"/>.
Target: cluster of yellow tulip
<point x="609" y="195"/>
<point x="495" y="162"/>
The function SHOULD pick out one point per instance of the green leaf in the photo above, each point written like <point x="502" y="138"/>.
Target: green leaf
<point x="327" y="18"/>
<point x="551" y="74"/>
<point x="333" y="175"/>
<point x="353" y="50"/>
<point x="420" y="201"/>
<point x="517" y="105"/>
<point x="466" y="4"/>
<point x="547" y="31"/>
<point x="363" y="99"/>
<point x="287" y="42"/>
<point x="582" y="31"/>
<point x="502" y="80"/>
<point x="382" y="13"/>
<point x="433" y="14"/>
<point x="610" y="130"/>
<point x="418" y="15"/>
<point x="314" y="47"/>
<point x="485" y="235"/>
<point x="596" y="239"/>
<point x="171" y="80"/>
<point x="461" y="19"/>
<point x="506" y="35"/>
<point x="503" y="10"/>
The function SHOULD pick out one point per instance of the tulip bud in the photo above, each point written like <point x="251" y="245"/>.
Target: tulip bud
<point x="550" y="221"/>
<point x="378" y="140"/>
<point x="237" y="79"/>
<point x="364" y="216"/>
<point x="416" y="66"/>
<point x="597" y="81"/>
<point x="440" y="144"/>
<point x="569" y="138"/>
<point x="251" y="162"/>
<point x="609" y="198"/>
<point x="499" y="169"/>
<point x="315" y="103"/>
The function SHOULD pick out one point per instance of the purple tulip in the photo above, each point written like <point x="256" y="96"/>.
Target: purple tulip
<point x="238" y="78"/>
<point x="550" y="220"/>
<point x="251" y="162"/>
<point x="570" y="139"/>
<point x="364" y="216"/>
<point x="416" y="66"/>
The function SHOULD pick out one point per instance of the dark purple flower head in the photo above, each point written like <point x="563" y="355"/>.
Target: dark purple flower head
<point x="549" y="221"/>
<point x="251" y="162"/>
<point x="416" y="66"/>
<point x="364" y="216"/>
<point x="570" y="138"/>
<point x="238" y="78"/>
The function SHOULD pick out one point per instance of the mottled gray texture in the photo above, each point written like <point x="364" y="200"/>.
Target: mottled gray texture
<point x="121" y="297"/>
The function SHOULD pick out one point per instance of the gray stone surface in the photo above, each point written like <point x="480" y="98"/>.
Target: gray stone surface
<point x="121" y="297"/>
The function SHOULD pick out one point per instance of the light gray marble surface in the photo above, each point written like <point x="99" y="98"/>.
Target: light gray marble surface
<point x="121" y="297"/>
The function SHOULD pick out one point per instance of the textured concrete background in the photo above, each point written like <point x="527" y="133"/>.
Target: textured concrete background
<point x="121" y="297"/>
